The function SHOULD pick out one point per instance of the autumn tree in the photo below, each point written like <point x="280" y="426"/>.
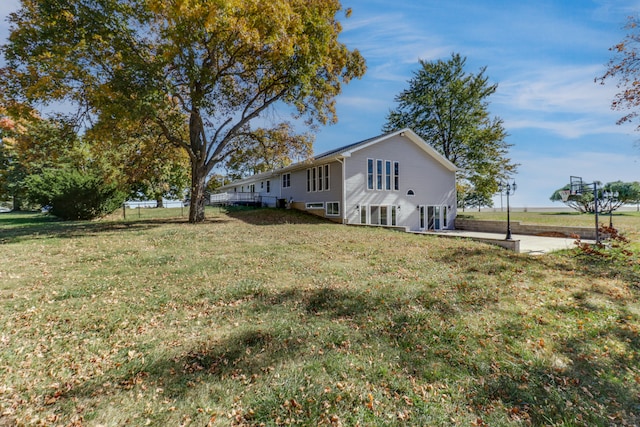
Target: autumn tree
<point x="29" y="144"/>
<point x="263" y="150"/>
<point x="448" y="108"/>
<point x="624" y="69"/>
<point x="141" y="158"/>
<point x="214" y="66"/>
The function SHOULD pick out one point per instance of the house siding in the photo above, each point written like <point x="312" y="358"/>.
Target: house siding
<point x="299" y="195"/>
<point x="421" y="169"/>
<point x="432" y="183"/>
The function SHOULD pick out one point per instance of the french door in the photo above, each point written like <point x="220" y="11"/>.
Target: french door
<point x="379" y="215"/>
<point x="433" y="217"/>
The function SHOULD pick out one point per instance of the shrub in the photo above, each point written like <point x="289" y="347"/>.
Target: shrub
<point x="617" y="250"/>
<point x="72" y="194"/>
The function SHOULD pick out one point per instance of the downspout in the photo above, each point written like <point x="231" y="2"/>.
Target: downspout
<point x="344" y="192"/>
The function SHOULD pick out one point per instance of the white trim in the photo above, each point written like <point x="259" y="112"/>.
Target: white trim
<point x="326" y="211"/>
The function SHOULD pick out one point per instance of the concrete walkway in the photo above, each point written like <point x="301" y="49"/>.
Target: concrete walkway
<point x="533" y="245"/>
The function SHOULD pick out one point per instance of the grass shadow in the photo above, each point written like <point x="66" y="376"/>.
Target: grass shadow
<point x="273" y="216"/>
<point x="21" y="227"/>
<point x="583" y="387"/>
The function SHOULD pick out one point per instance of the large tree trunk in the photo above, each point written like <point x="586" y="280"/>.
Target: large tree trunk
<point x="17" y="203"/>
<point x="196" y="207"/>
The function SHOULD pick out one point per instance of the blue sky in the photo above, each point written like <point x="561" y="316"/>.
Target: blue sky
<point x="544" y="56"/>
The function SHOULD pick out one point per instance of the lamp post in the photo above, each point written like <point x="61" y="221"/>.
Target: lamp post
<point x="508" y="188"/>
<point x="610" y="196"/>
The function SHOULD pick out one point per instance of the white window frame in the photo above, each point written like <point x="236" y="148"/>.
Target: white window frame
<point x="329" y="209"/>
<point x="268" y="186"/>
<point x="327" y="180"/>
<point x="320" y="178"/>
<point x="387" y="175"/>
<point x="396" y="176"/>
<point x="286" y="180"/>
<point x="314" y="183"/>
<point x="379" y="174"/>
<point x="371" y="176"/>
<point x="314" y="205"/>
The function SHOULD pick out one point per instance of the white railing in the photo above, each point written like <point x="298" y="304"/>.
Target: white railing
<point x="230" y="198"/>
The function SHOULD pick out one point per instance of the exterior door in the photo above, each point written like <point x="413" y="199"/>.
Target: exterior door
<point x="433" y="217"/>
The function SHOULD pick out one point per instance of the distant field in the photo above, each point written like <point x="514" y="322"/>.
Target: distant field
<point x="628" y="221"/>
<point x="272" y="317"/>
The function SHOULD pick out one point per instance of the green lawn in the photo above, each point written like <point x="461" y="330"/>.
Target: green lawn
<point x="276" y="318"/>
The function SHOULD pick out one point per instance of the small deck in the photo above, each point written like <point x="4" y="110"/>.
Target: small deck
<point x="249" y="199"/>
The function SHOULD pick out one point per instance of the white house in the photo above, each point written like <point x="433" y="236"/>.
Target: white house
<point x="396" y="179"/>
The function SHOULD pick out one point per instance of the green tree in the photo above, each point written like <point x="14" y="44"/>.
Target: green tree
<point x="627" y="193"/>
<point x="448" y="108"/>
<point x="30" y="144"/>
<point x="212" y="66"/>
<point x="142" y="159"/>
<point x="74" y="194"/>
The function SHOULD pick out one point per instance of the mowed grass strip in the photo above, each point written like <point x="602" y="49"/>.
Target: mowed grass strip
<point x="276" y="318"/>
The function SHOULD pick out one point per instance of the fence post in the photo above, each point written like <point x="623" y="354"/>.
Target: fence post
<point x="124" y="211"/>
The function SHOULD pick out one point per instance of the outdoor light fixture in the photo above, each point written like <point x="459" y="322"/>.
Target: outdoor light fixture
<point x="508" y="188"/>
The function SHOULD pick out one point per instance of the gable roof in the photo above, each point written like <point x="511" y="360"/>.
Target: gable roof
<point x="346" y="151"/>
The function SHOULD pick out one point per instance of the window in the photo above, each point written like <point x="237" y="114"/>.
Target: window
<point x="333" y="209"/>
<point x="411" y="193"/>
<point x="262" y="185"/>
<point x="363" y="214"/>
<point x="326" y="177"/>
<point x="374" y="215"/>
<point x="313" y="180"/>
<point x="387" y="175"/>
<point x="252" y="188"/>
<point x="268" y="186"/>
<point x="445" y="220"/>
<point x="286" y="180"/>
<point x="394" y="215"/>
<point x="315" y="205"/>
<point x="379" y="174"/>
<point x="318" y="178"/>
<point x="396" y="176"/>
<point x="383" y="215"/>
<point x="370" y="174"/>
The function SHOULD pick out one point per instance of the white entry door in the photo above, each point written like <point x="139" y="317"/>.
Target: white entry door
<point x="433" y="217"/>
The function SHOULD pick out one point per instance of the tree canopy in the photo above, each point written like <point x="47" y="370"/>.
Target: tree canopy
<point x="268" y="149"/>
<point x="199" y="71"/>
<point x="448" y="108"/>
<point x="627" y="193"/>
